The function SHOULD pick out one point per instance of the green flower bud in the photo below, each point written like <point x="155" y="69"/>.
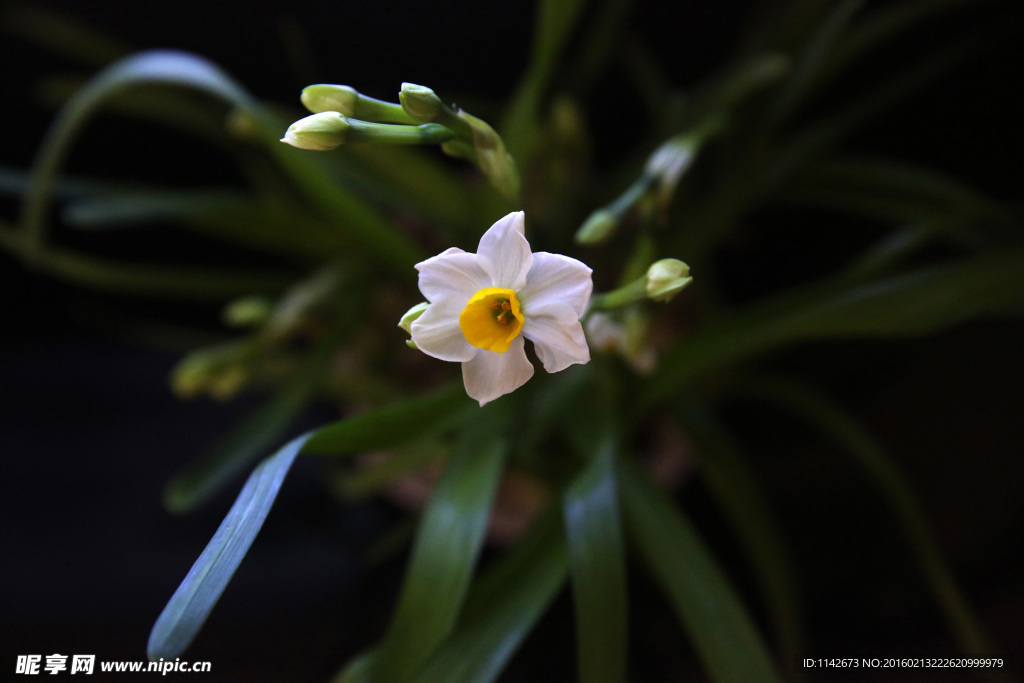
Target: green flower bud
<point x="666" y="278"/>
<point x="320" y="132"/>
<point x="250" y="311"/>
<point x="326" y="97"/>
<point x="411" y="315"/>
<point x="598" y="227"/>
<point x="219" y="372"/>
<point x="420" y="102"/>
<point x="495" y="162"/>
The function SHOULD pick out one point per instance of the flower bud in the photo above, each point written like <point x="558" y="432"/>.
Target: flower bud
<point x="666" y="278"/>
<point x="219" y="372"/>
<point x="251" y="311"/>
<point x="319" y="132"/>
<point x="326" y="97"/>
<point x="411" y="315"/>
<point x="597" y="228"/>
<point x="420" y="102"/>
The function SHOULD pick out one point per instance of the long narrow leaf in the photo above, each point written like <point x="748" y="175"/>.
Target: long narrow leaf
<point x="254" y="436"/>
<point x="909" y="304"/>
<point x="722" y="631"/>
<point x="392" y="425"/>
<point x="445" y="553"/>
<point x="201" y="284"/>
<point x="597" y="561"/>
<point x="812" y="60"/>
<point x="872" y="456"/>
<point x="736" y="488"/>
<point x="158" y="66"/>
<point x="555" y="22"/>
<point x="195" y="598"/>
<point x="501" y="609"/>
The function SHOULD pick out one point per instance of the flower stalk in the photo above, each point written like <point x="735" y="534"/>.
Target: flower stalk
<point x="353" y="104"/>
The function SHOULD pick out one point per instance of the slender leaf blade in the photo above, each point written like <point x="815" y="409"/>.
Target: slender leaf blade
<point x="501" y="609"/>
<point x="191" y="604"/>
<point x="391" y="425"/>
<point x="598" y="568"/>
<point x="723" y="633"/>
<point x="446" y="549"/>
<point x="254" y="436"/>
<point x="734" y="485"/>
<point x="871" y="455"/>
<point x="903" y="305"/>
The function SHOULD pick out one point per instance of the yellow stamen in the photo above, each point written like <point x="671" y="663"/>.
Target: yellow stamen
<point x="492" y="319"/>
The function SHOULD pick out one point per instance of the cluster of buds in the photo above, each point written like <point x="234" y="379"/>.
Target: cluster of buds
<point x="342" y="115"/>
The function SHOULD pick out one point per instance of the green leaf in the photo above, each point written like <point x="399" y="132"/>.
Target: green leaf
<point x="812" y="60"/>
<point x="200" y="284"/>
<point x="392" y="425"/>
<point x="231" y="216"/>
<point x="310" y="172"/>
<point x="723" y="633"/>
<point x="254" y="436"/>
<point x="881" y="25"/>
<point x="908" y="304"/>
<point x="60" y="34"/>
<point x="502" y="608"/>
<point x="814" y="139"/>
<point x="401" y="461"/>
<point x="733" y="483"/>
<point x="911" y="191"/>
<point x="412" y="180"/>
<point x="554" y="24"/>
<point x="899" y="494"/>
<point x="446" y="549"/>
<point x="598" y="568"/>
<point x="157" y="66"/>
<point x="195" y="598"/>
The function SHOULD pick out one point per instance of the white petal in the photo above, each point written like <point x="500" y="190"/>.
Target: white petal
<point x="554" y="278"/>
<point x="557" y="336"/>
<point x="452" y="273"/>
<point x="490" y="374"/>
<point x="437" y="332"/>
<point x="504" y="252"/>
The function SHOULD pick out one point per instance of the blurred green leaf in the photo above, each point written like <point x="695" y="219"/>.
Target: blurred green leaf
<point x="308" y="171"/>
<point x="446" y="549"/>
<point x="821" y="411"/>
<point x="46" y="26"/>
<point x="248" y="440"/>
<point x="415" y="182"/>
<point x="811" y="61"/>
<point x="555" y="22"/>
<point x="734" y="484"/>
<point x="816" y="138"/>
<point x="231" y="216"/>
<point x="598" y="567"/>
<point x="200" y="284"/>
<point x="722" y="631"/>
<point x="908" y="304"/>
<point x="502" y="608"/>
<point x="398" y="462"/>
<point x="882" y="24"/>
<point x="922" y="191"/>
<point x="158" y="66"/>
<point x="392" y="425"/>
<point x="195" y="598"/>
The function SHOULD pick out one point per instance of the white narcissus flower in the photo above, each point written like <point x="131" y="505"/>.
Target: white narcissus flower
<point x="482" y="305"/>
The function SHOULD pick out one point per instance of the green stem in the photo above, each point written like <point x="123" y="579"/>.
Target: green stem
<point x="623" y="296"/>
<point x="390" y="134"/>
<point x="372" y="109"/>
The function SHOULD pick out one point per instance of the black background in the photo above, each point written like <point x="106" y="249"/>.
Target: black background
<point x="89" y="432"/>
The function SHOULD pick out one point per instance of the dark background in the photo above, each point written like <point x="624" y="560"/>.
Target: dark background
<point x="89" y="432"/>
